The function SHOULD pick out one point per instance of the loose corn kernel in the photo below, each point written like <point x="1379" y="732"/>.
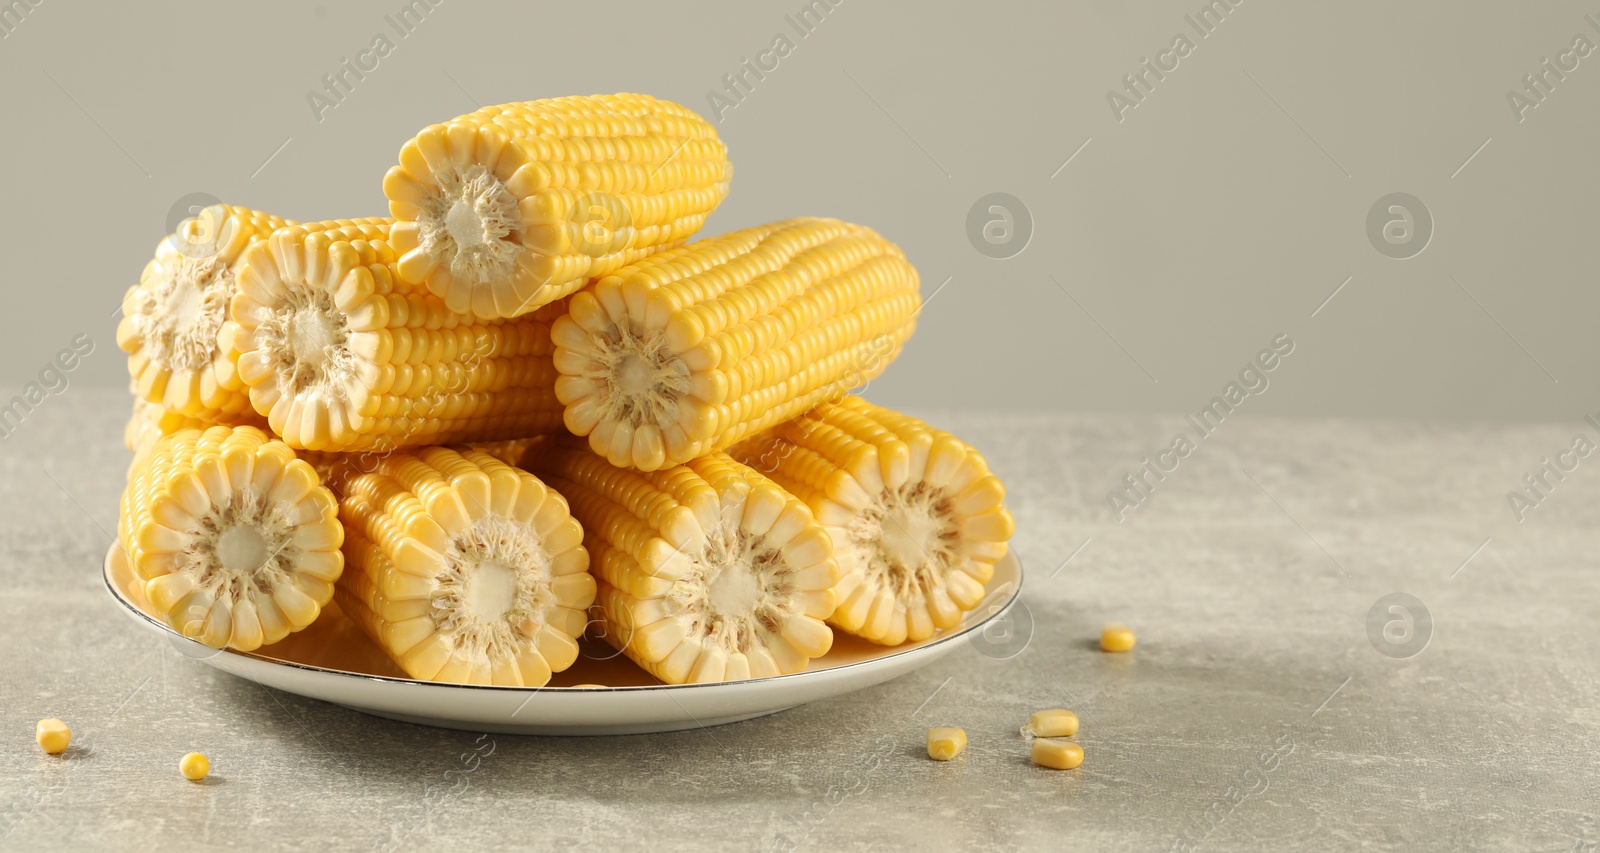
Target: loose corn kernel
<point x="194" y="766"/>
<point x="1057" y="722"/>
<point x="52" y="735"/>
<point x="1116" y="637"/>
<point x="946" y="743"/>
<point x="1057" y="754"/>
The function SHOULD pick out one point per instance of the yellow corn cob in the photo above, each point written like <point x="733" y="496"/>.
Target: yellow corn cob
<point x="341" y="355"/>
<point x="707" y="571"/>
<point x="516" y="205"/>
<point x="174" y="320"/>
<point x="509" y="451"/>
<point x="234" y="539"/>
<point x="150" y="421"/>
<point x="916" y="518"/>
<point x="693" y="349"/>
<point x="463" y="568"/>
<point x="336" y="469"/>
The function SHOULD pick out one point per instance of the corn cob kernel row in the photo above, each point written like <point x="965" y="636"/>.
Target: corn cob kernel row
<point x="707" y="571"/>
<point x="917" y="520"/>
<point x="464" y="569"/>
<point x="514" y="206"/>
<point x="341" y="355"/>
<point x="150" y="421"/>
<point x="336" y="468"/>
<point x="174" y="321"/>
<point x="694" y="349"/>
<point x="233" y="538"/>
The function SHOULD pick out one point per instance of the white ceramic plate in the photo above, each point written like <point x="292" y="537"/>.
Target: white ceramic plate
<point x="334" y="662"/>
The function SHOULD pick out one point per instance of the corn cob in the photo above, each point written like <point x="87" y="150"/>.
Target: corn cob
<point x="150" y="421"/>
<point x="341" y="355"/>
<point x="707" y="571"/>
<point x="463" y="568"/>
<point x="694" y="349"/>
<point x="234" y="539"/>
<point x="336" y="469"/>
<point x="174" y="321"/>
<point x="916" y="518"/>
<point x="516" y="205"/>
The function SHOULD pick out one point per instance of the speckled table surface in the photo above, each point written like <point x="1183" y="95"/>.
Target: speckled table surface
<point x="1258" y="712"/>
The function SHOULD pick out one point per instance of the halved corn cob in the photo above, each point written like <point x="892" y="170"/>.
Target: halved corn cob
<point x="234" y="539"/>
<point x="341" y="355"/>
<point x="462" y="568"/>
<point x="336" y="469"/>
<point x="916" y="518"/>
<point x="695" y="348"/>
<point x="707" y="571"/>
<point x="516" y="205"/>
<point x="509" y="451"/>
<point x="150" y="421"/>
<point x="174" y="320"/>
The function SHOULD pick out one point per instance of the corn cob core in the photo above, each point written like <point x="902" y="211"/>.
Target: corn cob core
<point x="516" y="205"/>
<point x="916" y="519"/>
<point x="342" y="355"/>
<point x="174" y="320"/>
<point x="696" y="348"/>
<point x="234" y="539"/>
<point x="462" y="568"/>
<point x="707" y="571"/>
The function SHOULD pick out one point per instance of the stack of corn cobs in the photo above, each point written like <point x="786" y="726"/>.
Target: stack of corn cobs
<point x="526" y="405"/>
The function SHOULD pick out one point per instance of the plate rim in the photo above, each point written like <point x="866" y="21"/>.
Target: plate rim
<point x="253" y="658"/>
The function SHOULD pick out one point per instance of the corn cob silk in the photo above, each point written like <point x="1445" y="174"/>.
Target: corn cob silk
<point x="516" y="205"/>
<point x="696" y="348"/>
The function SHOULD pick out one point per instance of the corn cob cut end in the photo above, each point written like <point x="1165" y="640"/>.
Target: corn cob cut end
<point x="464" y="569"/>
<point x="707" y="571"/>
<point x="461" y="228"/>
<point x="174" y="323"/>
<point x="234" y="539"/>
<point x="916" y="518"/>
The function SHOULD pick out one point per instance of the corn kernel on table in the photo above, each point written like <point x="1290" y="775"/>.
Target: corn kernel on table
<point x="1276" y="697"/>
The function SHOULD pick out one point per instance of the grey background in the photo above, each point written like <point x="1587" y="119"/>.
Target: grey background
<point x="1221" y="212"/>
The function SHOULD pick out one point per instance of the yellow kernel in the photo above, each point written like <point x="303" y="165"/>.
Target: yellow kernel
<point x="52" y="735"/>
<point x="194" y="766"/>
<point x="1116" y="637"/>
<point x="1057" y="754"/>
<point x="589" y="686"/>
<point x="946" y="743"/>
<point x="1056" y="722"/>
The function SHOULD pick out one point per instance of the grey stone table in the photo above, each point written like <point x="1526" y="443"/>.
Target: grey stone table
<point x="1256" y="713"/>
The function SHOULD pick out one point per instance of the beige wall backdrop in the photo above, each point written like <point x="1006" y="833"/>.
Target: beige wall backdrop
<point x="1152" y="237"/>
